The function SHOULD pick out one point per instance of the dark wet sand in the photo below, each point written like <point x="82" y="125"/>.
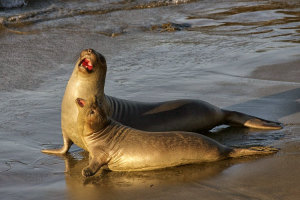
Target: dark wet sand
<point x="275" y="72"/>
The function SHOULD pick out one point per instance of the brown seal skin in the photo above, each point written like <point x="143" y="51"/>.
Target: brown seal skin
<point x="88" y="78"/>
<point x="122" y="148"/>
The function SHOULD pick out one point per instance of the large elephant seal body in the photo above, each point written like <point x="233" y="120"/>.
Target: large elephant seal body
<point x="184" y="114"/>
<point x="88" y="78"/>
<point x="122" y="148"/>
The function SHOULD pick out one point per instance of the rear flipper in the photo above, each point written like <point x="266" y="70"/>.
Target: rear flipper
<point x="236" y="152"/>
<point x="238" y="118"/>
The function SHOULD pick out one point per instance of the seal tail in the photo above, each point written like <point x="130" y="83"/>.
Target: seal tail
<point x="236" y="152"/>
<point x="238" y="118"/>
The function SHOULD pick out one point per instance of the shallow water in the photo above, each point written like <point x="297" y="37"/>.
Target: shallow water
<point x="239" y="55"/>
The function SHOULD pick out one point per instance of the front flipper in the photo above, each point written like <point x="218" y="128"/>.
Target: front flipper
<point x="95" y="163"/>
<point x="92" y="168"/>
<point x="64" y="149"/>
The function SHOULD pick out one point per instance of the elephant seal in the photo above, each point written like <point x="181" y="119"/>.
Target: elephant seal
<point x="122" y="148"/>
<point x="88" y="78"/>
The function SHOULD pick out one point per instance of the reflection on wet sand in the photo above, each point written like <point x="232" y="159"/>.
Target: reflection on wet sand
<point x="108" y="184"/>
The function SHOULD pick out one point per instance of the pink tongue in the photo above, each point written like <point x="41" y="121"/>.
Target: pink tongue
<point x="87" y="63"/>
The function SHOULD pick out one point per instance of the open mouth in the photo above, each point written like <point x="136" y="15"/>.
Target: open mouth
<point x="87" y="64"/>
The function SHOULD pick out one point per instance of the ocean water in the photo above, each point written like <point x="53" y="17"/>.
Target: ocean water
<point x="239" y="54"/>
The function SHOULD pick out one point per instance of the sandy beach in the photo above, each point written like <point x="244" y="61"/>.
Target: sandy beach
<point x="238" y="55"/>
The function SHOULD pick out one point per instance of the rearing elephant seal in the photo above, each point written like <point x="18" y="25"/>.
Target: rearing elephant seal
<point x="88" y="78"/>
<point x="126" y="149"/>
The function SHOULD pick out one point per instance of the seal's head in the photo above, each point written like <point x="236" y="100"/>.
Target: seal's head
<point x="91" y="62"/>
<point x="92" y="116"/>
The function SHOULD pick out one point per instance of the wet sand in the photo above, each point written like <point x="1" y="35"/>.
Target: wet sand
<point x="291" y="72"/>
<point x="256" y="74"/>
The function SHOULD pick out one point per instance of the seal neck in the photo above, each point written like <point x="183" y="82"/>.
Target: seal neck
<point x="95" y="78"/>
<point x="112" y="131"/>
